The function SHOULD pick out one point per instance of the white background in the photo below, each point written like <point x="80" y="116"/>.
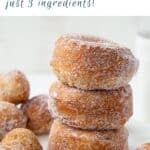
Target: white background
<point x="102" y="7"/>
<point x="26" y="43"/>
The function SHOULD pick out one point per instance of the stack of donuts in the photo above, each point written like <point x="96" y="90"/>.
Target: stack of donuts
<point x="92" y="100"/>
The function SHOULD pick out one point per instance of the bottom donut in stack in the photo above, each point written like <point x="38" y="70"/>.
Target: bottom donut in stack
<point x="63" y="137"/>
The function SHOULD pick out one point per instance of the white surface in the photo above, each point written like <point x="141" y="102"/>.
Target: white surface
<point x="102" y="7"/>
<point x="142" y="93"/>
<point x="139" y="133"/>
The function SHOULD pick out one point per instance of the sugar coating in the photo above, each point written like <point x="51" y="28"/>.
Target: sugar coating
<point x="63" y="137"/>
<point x="21" y="139"/>
<point x="95" y="110"/>
<point x="89" y="62"/>
<point x="10" y="118"/>
<point x="39" y="117"/>
<point x="14" y="87"/>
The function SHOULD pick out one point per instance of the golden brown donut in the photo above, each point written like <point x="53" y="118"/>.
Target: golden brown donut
<point x="89" y="62"/>
<point x="10" y="118"/>
<point x="21" y="139"/>
<point x="39" y="117"/>
<point x="145" y="146"/>
<point x="14" y="87"/>
<point x="63" y="137"/>
<point x="98" y="110"/>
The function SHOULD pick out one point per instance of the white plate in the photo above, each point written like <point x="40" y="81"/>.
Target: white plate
<point x="139" y="133"/>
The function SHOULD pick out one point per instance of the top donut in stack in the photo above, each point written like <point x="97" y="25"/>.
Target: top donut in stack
<point x="92" y="63"/>
<point x="92" y="91"/>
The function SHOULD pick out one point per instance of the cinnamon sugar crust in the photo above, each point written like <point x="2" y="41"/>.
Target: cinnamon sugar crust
<point x="14" y="87"/>
<point x="90" y="62"/>
<point x="21" y="139"/>
<point x="63" y="137"/>
<point x="10" y="118"/>
<point x="95" y="110"/>
<point x="39" y="117"/>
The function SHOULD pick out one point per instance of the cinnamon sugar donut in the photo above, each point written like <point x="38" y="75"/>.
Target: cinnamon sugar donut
<point x="39" y="117"/>
<point x="145" y="146"/>
<point x="91" y="109"/>
<point x="14" y="87"/>
<point x="63" y="137"/>
<point x="10" y="118"/>
<point x="21" y="139"/>
<point x="89" y="62"/>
